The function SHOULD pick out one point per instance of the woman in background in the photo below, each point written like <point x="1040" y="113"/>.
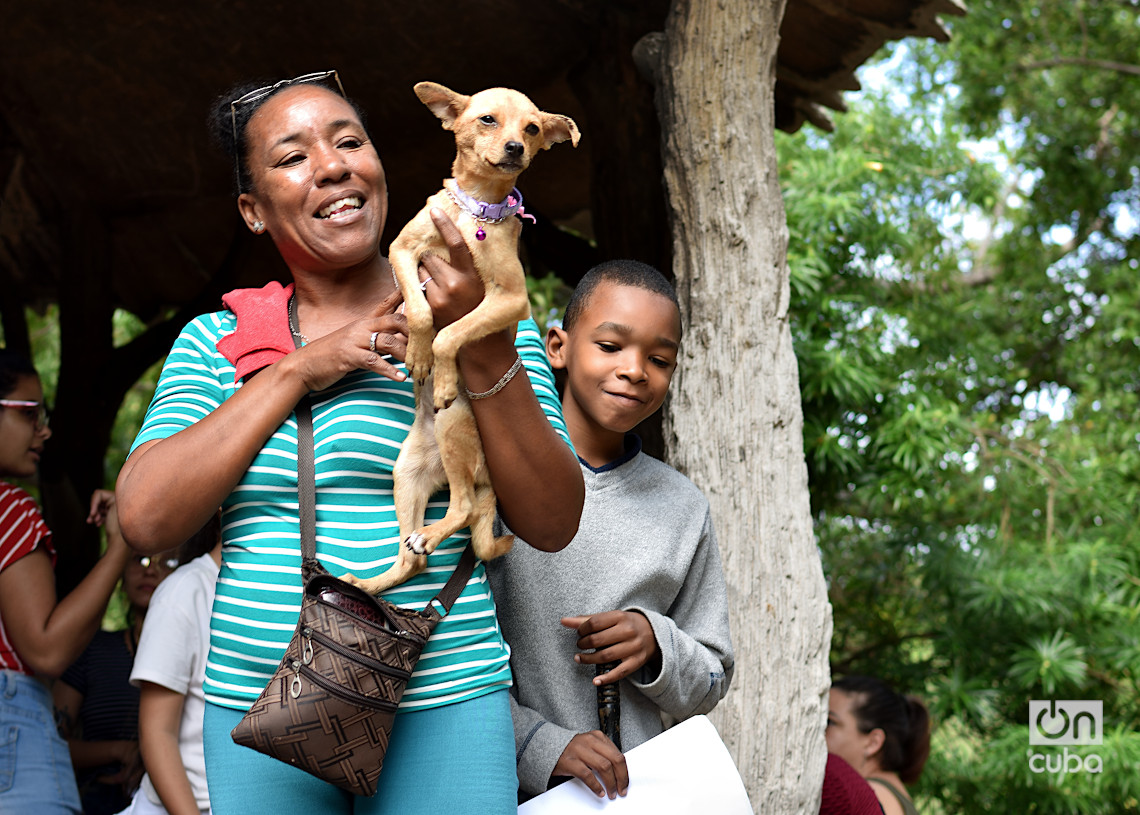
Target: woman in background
<point x="38" y="633"/>
<point x="884" y="735"/>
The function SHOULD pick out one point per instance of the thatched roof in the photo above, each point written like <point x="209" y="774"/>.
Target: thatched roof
<point x="105" y="164"/>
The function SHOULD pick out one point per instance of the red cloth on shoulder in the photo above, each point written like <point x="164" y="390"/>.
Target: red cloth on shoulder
<point x="845" y="792"/>
<point x="262" y="335"/>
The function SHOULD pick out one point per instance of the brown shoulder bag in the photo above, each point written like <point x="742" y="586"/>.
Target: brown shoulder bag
<point x="331" y="704"/>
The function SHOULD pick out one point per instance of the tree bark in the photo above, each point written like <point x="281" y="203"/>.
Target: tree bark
<point x="734" y="422"/>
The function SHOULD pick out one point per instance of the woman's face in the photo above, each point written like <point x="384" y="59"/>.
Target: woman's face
<point x="318" y="185"/>
<point x="844" y="738"/>
<point x="20" y="443"/>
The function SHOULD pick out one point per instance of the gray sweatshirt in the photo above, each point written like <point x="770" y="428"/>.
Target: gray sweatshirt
<point x="645" y="543"/>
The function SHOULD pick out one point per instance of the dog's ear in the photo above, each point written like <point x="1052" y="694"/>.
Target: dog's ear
<point x="443" y="102"/>
<point x="558" y="128"/>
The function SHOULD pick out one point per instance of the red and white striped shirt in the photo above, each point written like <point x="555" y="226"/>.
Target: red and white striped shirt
<point x="22" y="531"/>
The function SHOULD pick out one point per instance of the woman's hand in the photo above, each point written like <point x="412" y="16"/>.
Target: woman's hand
<point x="625" y="637"/>
<point x="452" y="289"/>
<point x="325" y="361"/>
<point x="102" y="502"/>
<point x="105" y="513"/>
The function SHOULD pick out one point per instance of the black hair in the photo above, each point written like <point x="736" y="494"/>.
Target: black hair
<point x="904" y="720"/>
<point x="623" y="273"/>
<point x="13" y="367"/>
<point x="223" y="120"/>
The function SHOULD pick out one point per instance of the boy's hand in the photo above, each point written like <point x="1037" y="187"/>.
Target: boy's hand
<point x="625" y="637"/>
<point x="590" y="757"/>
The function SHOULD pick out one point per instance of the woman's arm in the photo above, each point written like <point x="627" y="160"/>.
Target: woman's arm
<point x="534" y="472"/>
<point x="160" y="719"/>
<point x="169" y="488"/>
<point x="47" y="635"/>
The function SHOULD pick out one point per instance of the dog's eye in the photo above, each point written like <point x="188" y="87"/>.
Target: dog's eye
<point x="487" y="120"/>
<point x="532" y="129"/>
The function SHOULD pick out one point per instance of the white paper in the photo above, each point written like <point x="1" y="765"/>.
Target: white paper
<point x="685" y="770"/>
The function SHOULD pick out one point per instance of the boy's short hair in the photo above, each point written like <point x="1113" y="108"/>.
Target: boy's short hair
<point x="623" y="273"/>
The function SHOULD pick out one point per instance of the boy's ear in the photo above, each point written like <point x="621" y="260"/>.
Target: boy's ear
<point x="556" y="347"/>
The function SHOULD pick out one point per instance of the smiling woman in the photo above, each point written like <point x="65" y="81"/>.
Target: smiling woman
<point x="221" y="431"/>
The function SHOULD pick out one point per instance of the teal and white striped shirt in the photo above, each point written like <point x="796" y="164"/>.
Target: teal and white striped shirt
<point x="358" y="424"/>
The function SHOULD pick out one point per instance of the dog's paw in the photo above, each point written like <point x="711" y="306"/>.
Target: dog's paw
<point x="416" y="543"/>
<point x="445" y="391"/>
<point x="419" y="367"/>
<point x="419" y="361"/>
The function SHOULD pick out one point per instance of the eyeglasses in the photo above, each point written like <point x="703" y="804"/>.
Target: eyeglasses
<point x="160" y="564"/>
<point x="261" y="93"/>
<point x="36" y="412"/>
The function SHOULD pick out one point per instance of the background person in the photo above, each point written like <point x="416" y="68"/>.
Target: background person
<point x="221" y="432"/>
<point x="97" y="708"/>
<point x="39" y="634"/>
<point x="168" y="670"/>
<point x="884" y="735"/>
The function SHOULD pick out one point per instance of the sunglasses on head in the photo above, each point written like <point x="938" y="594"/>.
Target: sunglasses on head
<point x="261" y="93"/>
<point x="36" y="412"/>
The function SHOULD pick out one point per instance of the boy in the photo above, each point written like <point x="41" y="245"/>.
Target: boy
<point x="641" y="583"/>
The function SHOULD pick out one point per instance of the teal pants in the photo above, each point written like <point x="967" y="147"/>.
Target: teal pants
<point x="453" y="759"/>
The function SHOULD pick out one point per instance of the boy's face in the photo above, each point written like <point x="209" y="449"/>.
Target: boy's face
<point x="619" y="358"/>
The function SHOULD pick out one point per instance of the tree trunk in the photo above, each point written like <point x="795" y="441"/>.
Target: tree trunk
<point x="734" y="423"/>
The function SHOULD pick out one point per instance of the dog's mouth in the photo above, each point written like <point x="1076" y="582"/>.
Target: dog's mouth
<point x="340" y="208"/>
<point x="511" y="165"/>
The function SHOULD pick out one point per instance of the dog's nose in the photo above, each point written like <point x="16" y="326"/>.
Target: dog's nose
<point x="514" y="149"/>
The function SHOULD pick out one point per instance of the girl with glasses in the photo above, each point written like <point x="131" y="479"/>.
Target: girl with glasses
<point x="38" y="633"/>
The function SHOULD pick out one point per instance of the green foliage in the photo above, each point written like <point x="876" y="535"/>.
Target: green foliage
<point x="963" y="254"/>
<point x="548" y="298"/>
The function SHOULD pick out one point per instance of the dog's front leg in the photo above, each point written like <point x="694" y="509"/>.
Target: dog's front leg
<point x="419" y="358"/>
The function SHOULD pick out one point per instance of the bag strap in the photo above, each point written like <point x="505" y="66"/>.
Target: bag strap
<point x="306" y="480"/>
<point x="307" y="504"/>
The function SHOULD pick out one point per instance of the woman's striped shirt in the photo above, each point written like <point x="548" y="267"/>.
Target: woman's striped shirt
<point x="359" y="425"/>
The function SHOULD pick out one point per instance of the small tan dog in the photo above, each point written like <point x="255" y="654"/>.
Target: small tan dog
<point x="497" y="133"/>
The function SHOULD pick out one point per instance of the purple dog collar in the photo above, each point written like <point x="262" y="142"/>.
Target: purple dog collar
<point x="486" y="213"/>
